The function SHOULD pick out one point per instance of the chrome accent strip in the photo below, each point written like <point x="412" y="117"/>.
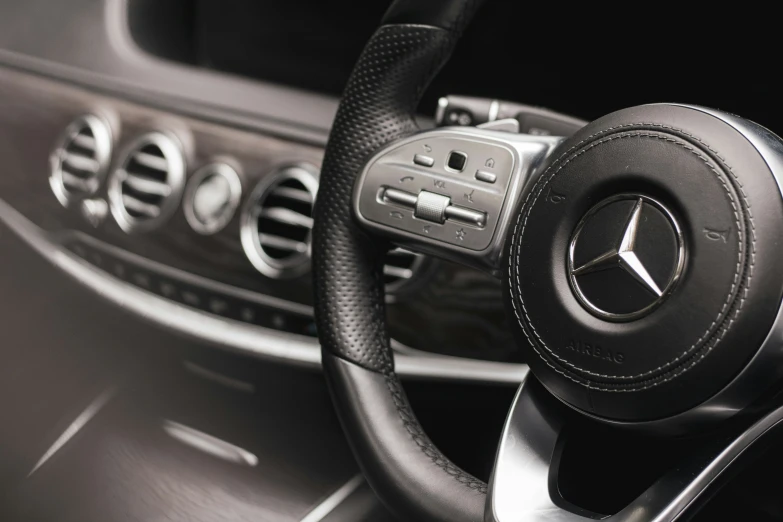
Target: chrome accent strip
<point x="440" y="112"/>
<point x="520" y="488"/>
<point x="219" y="378"/>
<point x="328" y="505"/>
<point x="233" y="335"/>
<point x="494" y="108"/>
<point x="286" y="216"/>
<point x="66" y="178"/>
<point x="208" y="444"/>
<point x="405" y="279"/>
<point x="80" y="162"/>
<point x="150" y="161"/>
<point x="395" y="271"/>
<point x="130" y="202"/>
<point x="75" y="427"/>
<point x="150" y="186"/>
<point x="283" y="243"/>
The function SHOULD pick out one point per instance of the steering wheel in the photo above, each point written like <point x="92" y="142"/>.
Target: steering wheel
<point x="641" y="265"/>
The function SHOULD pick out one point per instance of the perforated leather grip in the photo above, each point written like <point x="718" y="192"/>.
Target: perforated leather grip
<point x="407" y="472"/>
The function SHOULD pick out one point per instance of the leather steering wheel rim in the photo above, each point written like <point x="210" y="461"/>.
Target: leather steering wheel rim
<point x="409" y="474"/>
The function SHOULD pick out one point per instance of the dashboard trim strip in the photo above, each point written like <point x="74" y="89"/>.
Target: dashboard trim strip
<point x="233" y="335"/>
<point x="76" y="426"/>
<point x="331" y="502"/>
<point x="520" y="487"/>
<point x="209" y="444"/>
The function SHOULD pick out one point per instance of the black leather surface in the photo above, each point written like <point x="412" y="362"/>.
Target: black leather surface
<point x="711" y="179"/>
<point x="400" y="462"/>
<point x="378" y="105"/>
<point x="376" y="109"/>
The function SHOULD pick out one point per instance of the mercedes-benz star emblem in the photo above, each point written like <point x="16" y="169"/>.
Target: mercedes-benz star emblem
<point x="621" y="274"/>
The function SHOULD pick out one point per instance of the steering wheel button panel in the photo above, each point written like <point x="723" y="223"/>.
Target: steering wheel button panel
<point x="438" y="208"/>
<point x="437" y="189"/>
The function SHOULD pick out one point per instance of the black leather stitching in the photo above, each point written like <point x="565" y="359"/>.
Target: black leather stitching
<point x="424" y="443"/>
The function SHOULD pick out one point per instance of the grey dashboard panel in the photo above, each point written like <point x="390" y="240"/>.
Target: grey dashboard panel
<point x="34" y="112"/>
<point x="87" y="42"/>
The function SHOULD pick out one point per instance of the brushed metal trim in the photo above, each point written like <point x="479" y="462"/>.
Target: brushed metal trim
<point x="256" y="341"/>
<point x="520" y="490"/>
<point x="209" y="444"/>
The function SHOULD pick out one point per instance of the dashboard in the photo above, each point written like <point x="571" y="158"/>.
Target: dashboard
<point x="203" y="225"/>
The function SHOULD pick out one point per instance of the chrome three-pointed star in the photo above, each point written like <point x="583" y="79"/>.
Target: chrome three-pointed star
<point x="623" y="255"/>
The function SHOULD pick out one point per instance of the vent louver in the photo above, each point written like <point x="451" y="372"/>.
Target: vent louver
<point x="277" y="221"/>
<point x="80" y="160"/>
<point x="400" y="267"/>
<point x="145" y="190"/>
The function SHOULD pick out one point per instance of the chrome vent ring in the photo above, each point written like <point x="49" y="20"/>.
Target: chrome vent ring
<point x="146" y="188"/>
<point x="277" y="221"/>
<point x="80" y="160"/>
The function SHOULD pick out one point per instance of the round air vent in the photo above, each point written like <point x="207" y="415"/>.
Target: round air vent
<point x="145" y="190"/>
<point x="276" y="225"/>
<point x="277" y="220"/>
<point x="400" y="268"/>
<point x="80" y="160"/>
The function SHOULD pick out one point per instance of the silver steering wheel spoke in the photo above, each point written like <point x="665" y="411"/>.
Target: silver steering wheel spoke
<point x="522" y="487"/>
<point x="450" y="192"/>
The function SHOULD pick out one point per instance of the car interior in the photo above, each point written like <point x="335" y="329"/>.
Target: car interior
<point x="341" y="260"/>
